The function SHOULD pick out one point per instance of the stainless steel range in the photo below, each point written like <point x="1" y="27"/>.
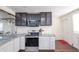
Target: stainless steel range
<point x="32" y="40"/>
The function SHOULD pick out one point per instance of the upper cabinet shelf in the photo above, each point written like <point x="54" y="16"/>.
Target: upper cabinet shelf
<point x="41" y="19"/>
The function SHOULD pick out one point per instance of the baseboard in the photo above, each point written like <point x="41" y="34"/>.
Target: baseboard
<point x="73" y="47"/>
<point x="21" y="50"/>
<point x="46" y="50"/>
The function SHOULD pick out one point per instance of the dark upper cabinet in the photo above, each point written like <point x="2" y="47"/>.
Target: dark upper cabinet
<point x="46" y="19"/>
<point x="43" y="19"/>
<point x="33" y="20"/>
<point x="21" y="19"/>
<point x="24" y="19"/>
<point x="33" y="16"/>
<point x="18" y="19"/>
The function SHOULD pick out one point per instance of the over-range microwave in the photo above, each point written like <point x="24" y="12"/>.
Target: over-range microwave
<point x="33" y="23"/>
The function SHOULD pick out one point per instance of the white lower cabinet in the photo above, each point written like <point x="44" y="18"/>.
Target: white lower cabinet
<point x="43" y="43"/>
<point x="11" y="46"/>
<point x="16" y="44"/>
<point x="8" y="47"/>
<point x="46" y="43"/>
<point x="52" y="43"/>
<point x="22" y="42"/>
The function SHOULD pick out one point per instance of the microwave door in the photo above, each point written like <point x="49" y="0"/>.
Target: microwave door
<point x="33" y="23"/>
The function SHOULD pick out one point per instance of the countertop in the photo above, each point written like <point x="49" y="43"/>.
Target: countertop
<point x="47" y="35"/>
<point x="7" y="38"/>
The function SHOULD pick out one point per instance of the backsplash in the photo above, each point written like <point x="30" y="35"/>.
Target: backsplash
<point x="46" y="29"/>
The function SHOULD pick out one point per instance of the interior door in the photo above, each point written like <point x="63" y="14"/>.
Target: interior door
<point x="67" y="30"/>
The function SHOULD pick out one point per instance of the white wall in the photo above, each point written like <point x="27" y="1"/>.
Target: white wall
<point x="72" y="37"/>
<point x="67" y="29"/>
<point x="47" y="29"/>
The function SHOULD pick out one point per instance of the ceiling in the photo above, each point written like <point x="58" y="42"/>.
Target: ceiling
<point x="57" y="10"/>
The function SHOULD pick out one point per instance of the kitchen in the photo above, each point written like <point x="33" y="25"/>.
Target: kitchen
<point x="31" y="38"/>
<point x="30" y="28"/>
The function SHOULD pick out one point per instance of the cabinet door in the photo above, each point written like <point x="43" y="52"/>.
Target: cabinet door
<point x="48" y="18"/>
<point x="22" y="43"/>
<point x="23" y="19"/>
<point x="18" y="19"/>
<point x="43" y="19"/>
<point x="43" y="43"/>
<point x="52" y="43"/>
<point x="16" y="44"/>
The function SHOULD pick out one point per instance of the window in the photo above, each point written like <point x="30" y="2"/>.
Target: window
<point x="76" y="23"/>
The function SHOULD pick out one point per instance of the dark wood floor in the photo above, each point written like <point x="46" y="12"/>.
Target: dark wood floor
<point x="64" y="47"/>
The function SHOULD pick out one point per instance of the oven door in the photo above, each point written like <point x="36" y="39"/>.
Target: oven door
<point x="31" y="42"/>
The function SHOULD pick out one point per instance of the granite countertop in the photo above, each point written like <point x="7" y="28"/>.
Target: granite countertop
<point x="7" y="38"/>
<point x="47" y="35"/>
<point x="41" y="35"/>
<point x="4" y="41"/>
